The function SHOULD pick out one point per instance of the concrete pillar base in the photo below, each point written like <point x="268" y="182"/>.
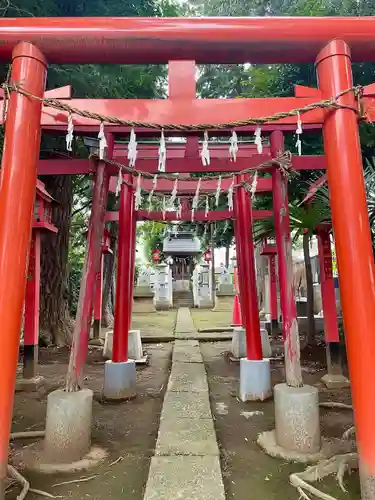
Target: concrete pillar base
<point x="255" y="380"/>
<point x="335" y="381"/>
<point x="297" y="418"/>
<point x="135" y="345"/>
<point x="119" y="380"/>
<point x="29" y="384"/>
<point x="68" y="425"/>
<point x="239" y="342"/>
<point x="266" y="344"/>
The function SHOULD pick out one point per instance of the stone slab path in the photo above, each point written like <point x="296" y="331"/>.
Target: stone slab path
<point x="186" y="464"/>
<point x="185" y="327"/>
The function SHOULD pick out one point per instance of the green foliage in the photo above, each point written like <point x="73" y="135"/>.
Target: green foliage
<point x="151" y="234"/>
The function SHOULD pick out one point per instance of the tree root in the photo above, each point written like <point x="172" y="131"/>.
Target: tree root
<point x="335" y="465"/>
<point x="340" y="406"/>
<point x="338" y="465"/>
<point x="17" y="477"/>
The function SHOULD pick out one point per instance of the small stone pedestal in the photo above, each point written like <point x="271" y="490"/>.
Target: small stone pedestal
<point x="68" y="425"/>
<point x="119" y="380"/>
<point x="135" y="349"/>
<point x="239" y="343"/>
<point x="29" y="384"/>
<point x="255" y="380"/>
<point x="297" y="418"/>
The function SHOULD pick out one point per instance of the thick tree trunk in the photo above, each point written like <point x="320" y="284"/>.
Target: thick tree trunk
<point x="55" y="321"/>
<point x="213" y="278"/>
<point x="109" y="279"/>
<point x="227" y="256"/>
<point x="311" y="336"/>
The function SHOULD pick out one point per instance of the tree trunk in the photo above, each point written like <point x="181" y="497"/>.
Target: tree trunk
<point x="213" y="278"/>
<point x="109" y="278"/>
<point x="55" y="321"/>
<point x="311" y="334"/>
<point x="227" y="256"/>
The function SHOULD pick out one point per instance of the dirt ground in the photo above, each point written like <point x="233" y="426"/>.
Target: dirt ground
<point x="248" y="472"/>
<point x="127" y="430"/>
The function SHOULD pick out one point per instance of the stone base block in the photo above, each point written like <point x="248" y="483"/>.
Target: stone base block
<point x="255" y="380"/>
<point x="297" y="418"/>
<point x="68" y="425"/>
<point x="224" y="302"/>
<point x="266" y="344"/>
<point x="205" y="304"/>
<point x="29" y="384"/>
<point x="335" y="381"/>
<point x="135" y="350"/>
<point x="119" y="380"/>
<point x="239" y="342"/>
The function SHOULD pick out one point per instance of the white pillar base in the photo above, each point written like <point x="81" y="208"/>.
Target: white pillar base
<point x="255" y="380"/>
<point x="68" y="425"/>
<point x="297" y="418"/>
<point x="135" y="350"/>
<point x="266" y="344"/>
<point x="119" y="380"/>
<point x="239" y="342"/>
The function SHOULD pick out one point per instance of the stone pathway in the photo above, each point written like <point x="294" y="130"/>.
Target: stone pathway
<point x="185" y="327"/>
<point x="186" y="464"/>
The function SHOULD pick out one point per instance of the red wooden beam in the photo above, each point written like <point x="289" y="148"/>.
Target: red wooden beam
<point x="189" y="187"/>
<point x="187" y="112"/>
<point x="177" y="165"/>
<point x="105" y="40"/>
<point x="58" y="93"/>
<point x="186" y="215"/>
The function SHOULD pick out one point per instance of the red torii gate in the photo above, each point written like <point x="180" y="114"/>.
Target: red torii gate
<point x="239" y="40"/>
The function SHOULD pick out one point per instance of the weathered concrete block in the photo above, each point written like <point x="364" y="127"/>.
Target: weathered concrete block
<point x="255" y="380"/>
<point x="239" y="342"/>
<point x="188" y="377"/>
<point x="185" y="477"/>
<point x="187" y="436"/>
<point x="335" y="381"/>
<point x="186" y="405"/>
<point x="297" y="418"/>
<point x="68" y="425"/>
<point x="119" y="380"/>
<point x="135" y="350"/>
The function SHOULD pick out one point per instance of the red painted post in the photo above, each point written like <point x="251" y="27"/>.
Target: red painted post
<point x="327" y="287"/>
<point x="17" y="196"/>
<point x="285" y="267"/>
<point x="239" y="253"/>
<point x="98" y="301"/>
<point x="32" y="301"/>
<point x="236" y="316"/>
<point x="353" y="247"/>
<point x="133" y="226"/>
<point x="82" y="324"/>
<point x="122" y="308"/>
<point x="273" y="290"/>
<point x="249" y="303"/>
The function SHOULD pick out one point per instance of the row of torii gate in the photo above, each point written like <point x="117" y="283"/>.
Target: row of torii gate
<point x="155" y="41"/>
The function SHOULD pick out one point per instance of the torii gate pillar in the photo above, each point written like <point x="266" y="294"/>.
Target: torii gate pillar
<point x="353" y="247"/>
<point x="17" y="196"/>
<point x="120" y="372"/>
<point x="255" y="372"/>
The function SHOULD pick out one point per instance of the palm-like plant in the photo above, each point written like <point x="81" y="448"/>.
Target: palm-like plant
<point x="303" y="221"/>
